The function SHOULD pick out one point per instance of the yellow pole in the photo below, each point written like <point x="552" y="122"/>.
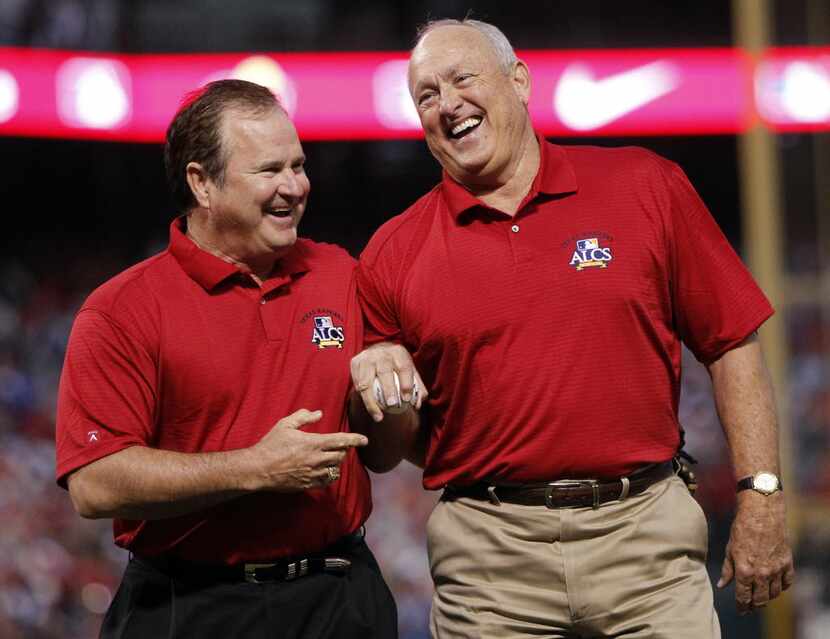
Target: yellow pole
<point x="762" y="229"/>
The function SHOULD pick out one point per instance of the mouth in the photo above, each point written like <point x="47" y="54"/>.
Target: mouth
<point x="279" y="213"/>
<point x="465" y="127"/>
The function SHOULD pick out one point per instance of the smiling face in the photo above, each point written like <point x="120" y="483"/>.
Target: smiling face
<point x="255" y="210"/>
<point x="473" y="112"/>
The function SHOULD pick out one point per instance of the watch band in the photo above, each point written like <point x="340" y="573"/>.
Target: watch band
<point x="746" y="483"/>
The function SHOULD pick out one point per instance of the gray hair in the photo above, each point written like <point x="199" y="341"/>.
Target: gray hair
<point x="501" y="45"/>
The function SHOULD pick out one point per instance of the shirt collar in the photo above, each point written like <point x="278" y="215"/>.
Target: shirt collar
<point x="209" y="271"/>
<point x="554" y="177"/>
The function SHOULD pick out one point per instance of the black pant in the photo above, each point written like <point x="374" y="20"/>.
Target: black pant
<point x="152" y="605"/>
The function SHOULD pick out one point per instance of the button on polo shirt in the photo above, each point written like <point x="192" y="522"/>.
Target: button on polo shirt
<point x="187" y="352"/>
<point x="554" y="350"/>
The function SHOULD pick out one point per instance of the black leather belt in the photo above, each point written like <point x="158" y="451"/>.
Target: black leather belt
<point x="566" y="493"/>
<point x="285" y="569"/>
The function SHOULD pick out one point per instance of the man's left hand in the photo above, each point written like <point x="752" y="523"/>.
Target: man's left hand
<point x="382" y="360"/>
<point x="758" y="554"/>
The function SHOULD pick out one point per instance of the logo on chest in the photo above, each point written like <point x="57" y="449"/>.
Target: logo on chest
<point x="327" y="329"/>
<point x="326" y="334"/>
<point x="589" y="253"/>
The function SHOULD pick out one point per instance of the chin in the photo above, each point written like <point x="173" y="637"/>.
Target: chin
<point x="472" y="162"/>
<point x="282" y="242"/>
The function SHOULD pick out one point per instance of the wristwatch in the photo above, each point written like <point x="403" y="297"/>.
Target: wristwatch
<point x="764" y="482"/>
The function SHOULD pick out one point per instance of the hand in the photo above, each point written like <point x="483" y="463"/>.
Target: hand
<point x="758" y="554"/>
<point x="290" y="460"/>
<point x="380" y="361"/>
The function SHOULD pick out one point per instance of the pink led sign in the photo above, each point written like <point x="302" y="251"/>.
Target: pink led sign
<point x="341" y="96"/>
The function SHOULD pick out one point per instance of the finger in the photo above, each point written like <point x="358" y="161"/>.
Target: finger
<point x="371" y="404"/>
<point x="324" y="476"/>
<point x="743" y="593"/>
<point x="727" y="571"/>
<point x="332" y="458"/>
<point x="402" y="362"/>
<point x="422" y="391"/>
<point x="789" y="576"/>
<point x="363" y="377"/>
<point x="341" y="441"/>
<point x="775" y="587"/>
<point x="389" y="387"/>
<point x="760" y="592"/>
<point x="300" y="418"/>
<point x="362" y="370"/>
<point x="406" y="377"/>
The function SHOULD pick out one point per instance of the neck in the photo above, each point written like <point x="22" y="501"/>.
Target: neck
<point x="512" y="188"/>
<point x="209" y="240"/>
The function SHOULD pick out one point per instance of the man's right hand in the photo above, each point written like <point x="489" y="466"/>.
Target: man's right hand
<point x="288" y="459"/>
<point x="148" y="483"/>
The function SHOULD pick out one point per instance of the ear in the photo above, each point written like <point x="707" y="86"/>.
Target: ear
<point x="520" y="76"/>
<point x="199" y="182"/>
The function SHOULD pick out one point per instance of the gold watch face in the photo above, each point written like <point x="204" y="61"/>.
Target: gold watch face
<point x="766" y="483"/>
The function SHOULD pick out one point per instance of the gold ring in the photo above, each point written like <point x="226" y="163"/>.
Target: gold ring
<point x="334" y="473"/>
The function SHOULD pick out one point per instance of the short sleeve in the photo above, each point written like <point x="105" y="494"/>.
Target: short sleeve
<point x="107" y="393"/>
<point x="716" y="302"/>
<point x="376" y="295"/>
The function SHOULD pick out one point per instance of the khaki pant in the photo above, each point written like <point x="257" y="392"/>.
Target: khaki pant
<point x="633" y="569"/>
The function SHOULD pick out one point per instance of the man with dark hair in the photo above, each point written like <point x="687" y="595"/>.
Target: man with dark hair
<point x="203" y="401"/>
<point x="544" y="292"/>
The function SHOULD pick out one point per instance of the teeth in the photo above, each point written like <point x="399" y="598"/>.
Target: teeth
<point x="466" y="124"/>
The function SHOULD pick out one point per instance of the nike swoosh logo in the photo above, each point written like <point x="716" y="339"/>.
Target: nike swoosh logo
<point x="583" y="103"/>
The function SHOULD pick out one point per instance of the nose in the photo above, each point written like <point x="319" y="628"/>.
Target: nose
<point x="291" y="186"/>
<point x="449" y="101"/>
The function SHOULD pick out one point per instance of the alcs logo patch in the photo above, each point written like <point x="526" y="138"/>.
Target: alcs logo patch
<point x="589" y="253"/>
<point x="326" y="334"/>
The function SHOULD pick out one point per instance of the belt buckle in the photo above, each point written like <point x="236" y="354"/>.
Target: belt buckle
<point x="572" y="483"/>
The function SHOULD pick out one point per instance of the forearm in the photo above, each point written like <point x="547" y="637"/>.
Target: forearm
<point x="746" y="406"/>
<point x="395" y="438"/>
<point x="758" y="555"/>
<point x="146" y="483"/>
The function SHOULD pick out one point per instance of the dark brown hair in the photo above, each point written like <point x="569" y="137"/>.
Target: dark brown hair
<point x="195" y="134"/>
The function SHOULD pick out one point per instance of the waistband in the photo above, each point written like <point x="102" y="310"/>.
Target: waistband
<point x="566" y="493"/>
<point x="333" y="559"/>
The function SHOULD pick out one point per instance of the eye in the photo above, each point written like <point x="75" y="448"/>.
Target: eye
<point x="426" y="97"/>
<point x="462" y="78"/>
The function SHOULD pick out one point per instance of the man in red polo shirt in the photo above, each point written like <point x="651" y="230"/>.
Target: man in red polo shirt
<point x="203" y="401"/>
<point x="544" y="293"/>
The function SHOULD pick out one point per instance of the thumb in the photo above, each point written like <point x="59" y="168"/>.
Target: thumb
<point x="726" y="572"/>
<point x="300" y="418"/>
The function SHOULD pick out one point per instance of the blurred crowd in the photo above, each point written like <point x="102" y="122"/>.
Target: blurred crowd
<point x="58" y="572"/>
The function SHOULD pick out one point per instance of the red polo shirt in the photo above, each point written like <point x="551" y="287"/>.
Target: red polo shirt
<point x="550" y="341"/>
<point x="186" y="352"/>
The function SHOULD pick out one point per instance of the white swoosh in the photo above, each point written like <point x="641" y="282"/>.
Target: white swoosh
<point x="583" y="103"/>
